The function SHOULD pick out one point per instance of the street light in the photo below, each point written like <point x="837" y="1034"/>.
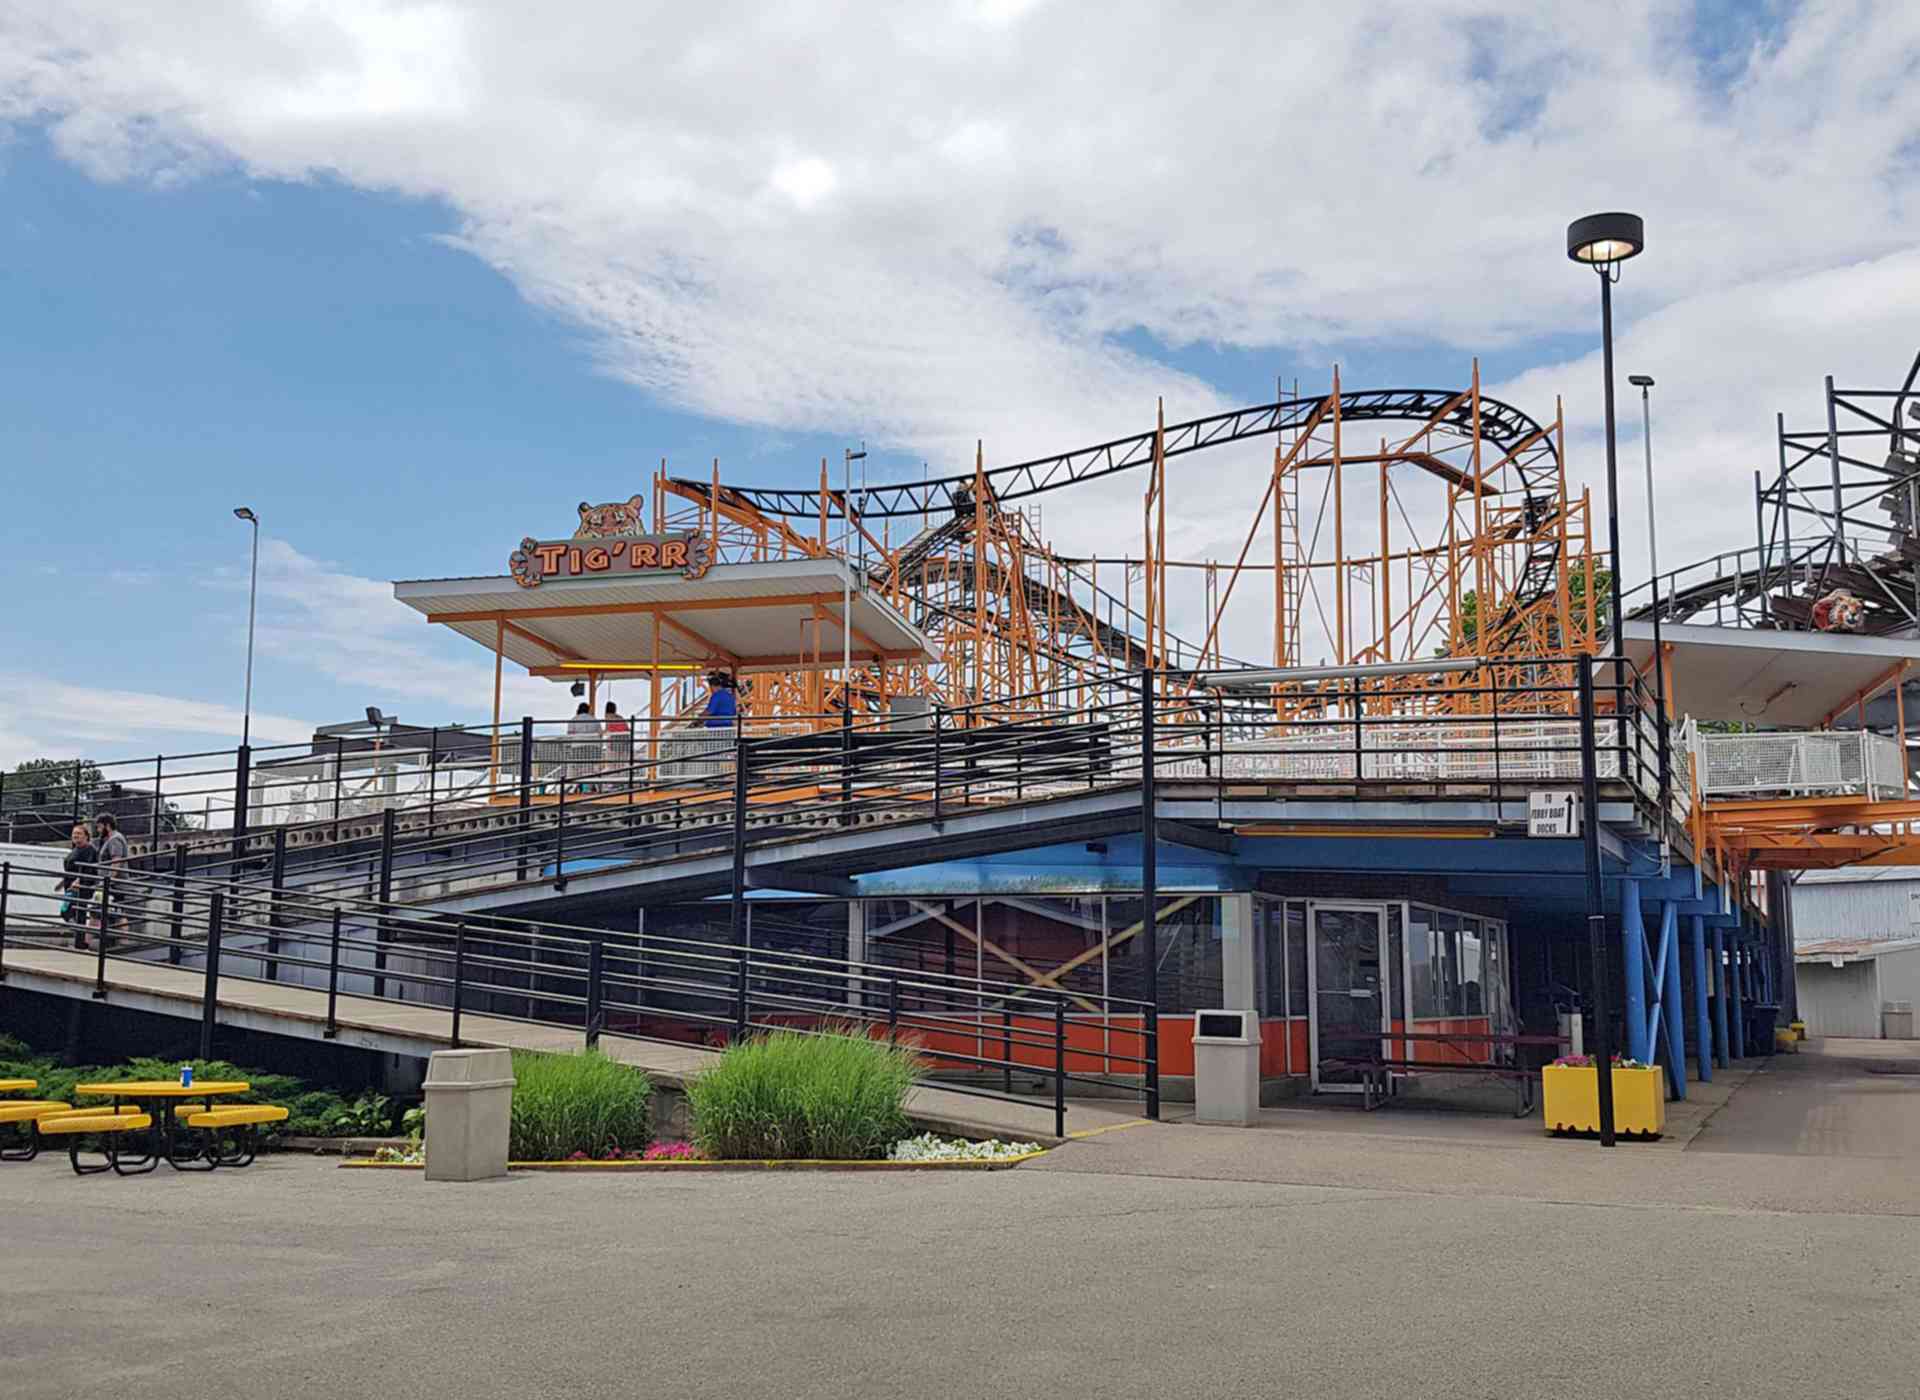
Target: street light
<point x="1602" y="242"/>
<point x="846" y="601"/>
<point x="1644" y="383"/>
<point x="253" y="587"/>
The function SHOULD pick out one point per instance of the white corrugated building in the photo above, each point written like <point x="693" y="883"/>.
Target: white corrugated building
<point x="1878" y="901"/>
<point x="1858" y="987"/>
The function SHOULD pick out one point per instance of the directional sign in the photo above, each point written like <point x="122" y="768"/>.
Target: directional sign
<point x="1555" y="812"/>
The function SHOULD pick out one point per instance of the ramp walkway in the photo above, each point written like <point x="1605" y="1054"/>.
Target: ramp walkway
<point x="301" y="1013"/>
<point x="552" y="834"/>
<point x="400" y="980"/>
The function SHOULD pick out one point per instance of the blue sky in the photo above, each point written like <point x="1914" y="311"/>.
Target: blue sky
<point x="386" y="402"/>
<point x="411" y="281"/>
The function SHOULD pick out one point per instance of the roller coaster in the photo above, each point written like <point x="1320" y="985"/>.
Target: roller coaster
<point x="1840" y="513"/>
<point x="1390" y="524"/>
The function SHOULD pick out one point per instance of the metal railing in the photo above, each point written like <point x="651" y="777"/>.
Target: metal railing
<point x="1810" y="763"/>
<point x="206" y="798"/>
<point x="974" y="1035"/>
<point x="571" y="805"/>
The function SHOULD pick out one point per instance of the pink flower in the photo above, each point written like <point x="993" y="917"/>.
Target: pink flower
<point x="674" y="1151"/>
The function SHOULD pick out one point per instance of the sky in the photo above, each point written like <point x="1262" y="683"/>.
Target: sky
<point x="411" y="279"/>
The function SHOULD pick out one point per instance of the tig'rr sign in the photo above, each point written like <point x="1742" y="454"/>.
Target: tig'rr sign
<point x="690" y="552"/>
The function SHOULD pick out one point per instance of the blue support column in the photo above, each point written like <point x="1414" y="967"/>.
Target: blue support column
<point x="1633" y="957"/>
<point x="1670" y="997"/>
<point x="1720" y="980"/>
<point x="1702" y="1027"/>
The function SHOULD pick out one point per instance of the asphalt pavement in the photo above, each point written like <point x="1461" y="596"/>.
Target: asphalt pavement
<point x="1158" y="1260"/>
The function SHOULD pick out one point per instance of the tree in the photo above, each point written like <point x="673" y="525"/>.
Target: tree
<point x="1576" y="606"/>
<point x="47" y="787"/>
<point x="47" y="784"/>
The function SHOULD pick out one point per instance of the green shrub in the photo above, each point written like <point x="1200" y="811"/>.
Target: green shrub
<point x="311" y="1112"/>
<point x="568" y="1104"/>
<point x="835" y="1097"/>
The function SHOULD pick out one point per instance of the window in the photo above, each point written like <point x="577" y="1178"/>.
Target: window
<point x="1187" y="932"/>
<point x="1446" y="963"/>
<point x="1296" y="959"/>
<point x="1472" y="999"/>
<point x="1420" y="957"/>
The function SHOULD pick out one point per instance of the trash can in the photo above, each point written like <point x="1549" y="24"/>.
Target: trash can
<point x="1760" y="1019"/>
<point x="469" y="1114"/>
<point x="1896" y="1020"/>
<point x="1226" y="1067"/>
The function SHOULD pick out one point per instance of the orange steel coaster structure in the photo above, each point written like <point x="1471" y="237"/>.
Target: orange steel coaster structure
<point x="1396" y="524"/>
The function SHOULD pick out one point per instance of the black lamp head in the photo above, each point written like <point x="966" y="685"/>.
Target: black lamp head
<point x="1640" y="381"/>
<point x="1601" y="240"/>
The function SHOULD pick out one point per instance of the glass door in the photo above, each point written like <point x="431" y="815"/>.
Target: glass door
<point x="1349" y="990"/>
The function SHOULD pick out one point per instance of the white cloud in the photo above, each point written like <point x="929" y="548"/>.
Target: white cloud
<point x="352" y="631"/>
<point x="1725" y="363"/>
<point x="933" y="224"/>
<point x="975" y="196"/>
<point x="314" y="619"/>
<point x="805" y="182"/>
<point x="44" y="717"/>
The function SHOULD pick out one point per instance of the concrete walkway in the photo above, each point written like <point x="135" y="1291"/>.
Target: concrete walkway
<point x="281" y="1008"/>
<point x="1837" y="1098"/>
<point x="1144" y="1262"/>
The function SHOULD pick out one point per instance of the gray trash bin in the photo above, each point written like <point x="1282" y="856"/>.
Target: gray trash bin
<point x="1896" y="1020"/>
<point x="469" y="1114"/>
<point x="1226" y="1067"/>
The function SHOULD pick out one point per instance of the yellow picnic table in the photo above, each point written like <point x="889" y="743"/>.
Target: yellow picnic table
<point x="18" y="1086"/>
<point x="161" y="1141"/>
<point x="161" y="1088"/>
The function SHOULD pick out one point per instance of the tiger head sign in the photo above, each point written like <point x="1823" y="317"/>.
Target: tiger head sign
<point x="609" y="542"/>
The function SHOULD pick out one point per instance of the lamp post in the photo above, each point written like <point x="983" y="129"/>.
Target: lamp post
<point x="1602" y="242"/>
<point x="253" y="587"/>
<point x="846" y="602"/>
<point x="1644" y="383"/>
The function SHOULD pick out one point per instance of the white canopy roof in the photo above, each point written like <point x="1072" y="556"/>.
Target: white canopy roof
<point x="1771" y="679"/>
<point x="772" y="616"/>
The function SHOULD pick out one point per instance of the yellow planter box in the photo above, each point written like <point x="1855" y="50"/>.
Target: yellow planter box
<point x="1570" y="1098"/>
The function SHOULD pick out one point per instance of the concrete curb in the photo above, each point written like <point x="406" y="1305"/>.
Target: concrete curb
<point x="738" y="1165"/>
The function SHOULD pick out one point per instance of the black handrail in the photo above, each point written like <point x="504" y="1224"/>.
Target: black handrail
<point x="801" y="785"/>
<point x="529" y="971"/>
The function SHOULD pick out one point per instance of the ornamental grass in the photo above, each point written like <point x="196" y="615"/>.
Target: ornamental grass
<point x="839" y="1096"/>
<point x="577" y="1104"/>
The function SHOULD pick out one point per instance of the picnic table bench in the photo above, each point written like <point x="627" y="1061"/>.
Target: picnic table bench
<point x="149" y="1101"/>
<point x="1378" y="1067"/>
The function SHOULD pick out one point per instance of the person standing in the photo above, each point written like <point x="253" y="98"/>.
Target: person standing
<point x="619" y="737"/>
<point x="722" y="713"/>
<point x="723" y="705"/>
<point x="114" y="855"/>
<point x="78" y="881"/>
<point x="583" y="744"/>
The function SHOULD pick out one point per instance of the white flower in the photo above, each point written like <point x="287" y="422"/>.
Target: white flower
<point x="929" y="1148"/>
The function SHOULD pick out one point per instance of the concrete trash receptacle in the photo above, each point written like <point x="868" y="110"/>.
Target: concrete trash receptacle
<point x="1896" y="1020"/>
<point x="1226" y="1067"/>
<point x="469" y="1114"/>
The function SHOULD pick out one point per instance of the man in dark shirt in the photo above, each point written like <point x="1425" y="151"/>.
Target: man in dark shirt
<point x="114" y="854"/>
<point x="78" y="882"/>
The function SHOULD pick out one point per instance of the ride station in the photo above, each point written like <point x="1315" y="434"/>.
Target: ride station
<point x="1366" y="781"/>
